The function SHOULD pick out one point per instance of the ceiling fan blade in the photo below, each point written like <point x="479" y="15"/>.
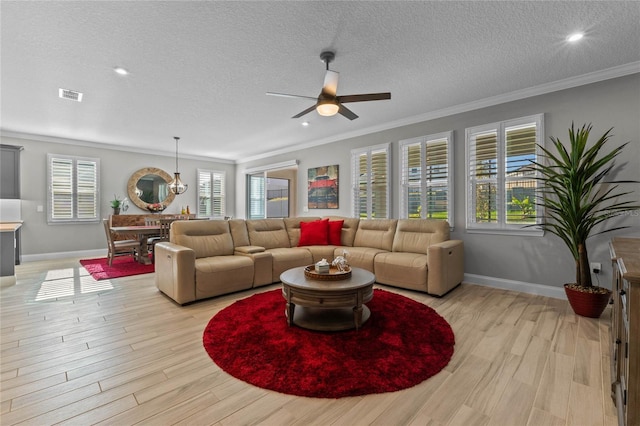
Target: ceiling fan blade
<point x="285" y="95"/>
<point x="347" y="112"/>
<point x="330" y="86"/>
<point x="306" y="111"/>
<point x="364" y="97"/>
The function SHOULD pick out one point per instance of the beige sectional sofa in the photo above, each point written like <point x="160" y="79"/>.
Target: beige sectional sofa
<point x="207" y="258"/>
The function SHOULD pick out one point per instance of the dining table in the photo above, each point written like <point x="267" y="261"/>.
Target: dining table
<point x="142" y="233"/>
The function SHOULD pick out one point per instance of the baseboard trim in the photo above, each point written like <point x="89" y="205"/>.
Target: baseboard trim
<point x="85" y="254"/>
<point x="521" y="286"/>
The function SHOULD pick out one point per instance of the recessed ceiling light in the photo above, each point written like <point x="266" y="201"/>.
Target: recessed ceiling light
<point x="305" y="123"/>
<point x="575" y="37"/>
<point x="121" y="71"/>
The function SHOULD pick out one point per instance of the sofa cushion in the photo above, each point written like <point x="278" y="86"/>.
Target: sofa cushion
<point x="222" y="274"/>
<point x="348" y="231"/>
<point x="267" y="233"/>
<point x="415" y="236"/>
<point x="321" y="252"/>
<point x="205" y="237"/>
<point x="377" y="234"/>
<point x="314" y="233"/>
<point x="239" y="232"/>
<point x="360" y="257"/>
<point x="406" y="270"/>
<point x="287" y="258"/>
<point x="293" y="227"/>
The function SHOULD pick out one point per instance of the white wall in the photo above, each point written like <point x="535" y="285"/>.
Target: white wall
<point x="530" y="260"/>
<point x="40" y="240"/>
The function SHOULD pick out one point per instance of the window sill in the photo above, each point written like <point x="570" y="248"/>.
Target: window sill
<point x="521" y="232"/>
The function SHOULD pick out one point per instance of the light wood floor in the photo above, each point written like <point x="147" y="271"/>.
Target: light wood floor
<point x="79" y="351"/>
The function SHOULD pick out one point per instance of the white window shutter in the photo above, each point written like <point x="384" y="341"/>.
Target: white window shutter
<point x="211" y="193"/>
<point x="73" y="189"/>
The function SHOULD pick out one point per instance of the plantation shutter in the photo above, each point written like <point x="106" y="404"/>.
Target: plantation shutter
<point x="483" y="172"/>
<point x="426" y="177"/>
<point x="361" y="179"/>
<point x="219" y="196"/>
<point x="379" y="184"/>
<point x="520" y="184"/>
<point x="211" y="194"/>
<point x="87" y="200"/>
<point x="411" y="177"/>
<point x="73" y="189"/>
<point x="371" y="182"/>
<point x="257" y="196"/>
<point x="61" y="188"/>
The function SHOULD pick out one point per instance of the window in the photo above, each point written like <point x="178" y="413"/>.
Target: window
<point x="427" y="177"/>
<point x="370" y="180"/>
<point x="261" y="180"/>
<point x="277" y="197"/>
<point x="211" y="194"/>
<point x="501" y="182"/>
<point x="73" y="189"/>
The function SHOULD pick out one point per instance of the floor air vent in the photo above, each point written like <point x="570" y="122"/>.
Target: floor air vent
<point x="70" y="94"/>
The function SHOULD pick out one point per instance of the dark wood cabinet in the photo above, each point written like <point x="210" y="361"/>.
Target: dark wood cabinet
<point x="10" y="171"/>
<point x="625" y="329"/>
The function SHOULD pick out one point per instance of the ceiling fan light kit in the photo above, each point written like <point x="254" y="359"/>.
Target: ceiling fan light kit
<point x="327" y="108"/>
<point x="328" y="102"/>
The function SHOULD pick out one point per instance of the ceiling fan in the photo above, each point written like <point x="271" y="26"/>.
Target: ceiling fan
<point x="328" y="103"/>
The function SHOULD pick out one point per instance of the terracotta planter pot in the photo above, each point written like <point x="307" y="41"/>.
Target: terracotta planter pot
<point x="586" y="304"/>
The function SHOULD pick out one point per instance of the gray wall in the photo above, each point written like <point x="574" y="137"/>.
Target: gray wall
<point x="530" y="260"/>
<point x="40" y="240"/>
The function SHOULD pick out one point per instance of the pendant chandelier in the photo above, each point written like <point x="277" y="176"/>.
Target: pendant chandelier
<point x="176" y="186"/>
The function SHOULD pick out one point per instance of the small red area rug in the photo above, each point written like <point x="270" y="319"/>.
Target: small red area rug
<point x="122" y="266"/>
<point x="403" y="343"/>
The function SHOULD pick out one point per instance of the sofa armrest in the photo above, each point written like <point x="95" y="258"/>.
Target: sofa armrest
<point x="446" y="266"/>
<point x="262" y="263"/>
<point x="175" y="267"/>
<point x="249" y="249"/>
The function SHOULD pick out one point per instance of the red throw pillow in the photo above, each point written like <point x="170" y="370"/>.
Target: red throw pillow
<point x="314" y="233"/>
<point x="335" y="232"/>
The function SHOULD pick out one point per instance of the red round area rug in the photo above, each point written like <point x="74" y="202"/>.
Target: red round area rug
<point x="402" y="344"/>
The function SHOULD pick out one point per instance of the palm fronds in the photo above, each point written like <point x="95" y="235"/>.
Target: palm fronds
<point x="575" y="195"/>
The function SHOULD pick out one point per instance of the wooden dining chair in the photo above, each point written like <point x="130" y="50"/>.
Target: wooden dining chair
<point x="163" y="234"/>
<point x="119" y="247"/>
<point x="165" y="227"/>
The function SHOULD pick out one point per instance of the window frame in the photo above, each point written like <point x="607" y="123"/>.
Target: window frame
<point x="75" y="190"/>
<point x="355" y="180"/>
<point x="425" y="183"/>
<point x="501" y="226"/>
<point x="222" y="179"/>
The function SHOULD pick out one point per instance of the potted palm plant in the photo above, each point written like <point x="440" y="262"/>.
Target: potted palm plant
<point x="577" y="201"/>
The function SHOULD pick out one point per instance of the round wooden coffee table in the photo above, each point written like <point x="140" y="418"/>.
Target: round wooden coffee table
<point x="327" y="305"/>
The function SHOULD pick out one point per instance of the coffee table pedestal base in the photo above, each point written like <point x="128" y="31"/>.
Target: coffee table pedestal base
<point x="335" y="319"/>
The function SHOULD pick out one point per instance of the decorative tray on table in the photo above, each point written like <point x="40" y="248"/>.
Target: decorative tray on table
<point x="333" y="275"/>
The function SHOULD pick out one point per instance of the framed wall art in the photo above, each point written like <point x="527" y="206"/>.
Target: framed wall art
<point x="322" y="189"/>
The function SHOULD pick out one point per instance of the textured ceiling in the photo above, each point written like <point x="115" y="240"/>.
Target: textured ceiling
<point x="200" y="70"/>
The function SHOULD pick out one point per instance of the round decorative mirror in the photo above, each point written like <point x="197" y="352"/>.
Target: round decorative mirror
<point x="150" y="186"/>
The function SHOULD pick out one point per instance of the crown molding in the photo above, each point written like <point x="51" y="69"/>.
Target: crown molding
<point x="99" y="145"/>
<point x="567" y="83"/>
